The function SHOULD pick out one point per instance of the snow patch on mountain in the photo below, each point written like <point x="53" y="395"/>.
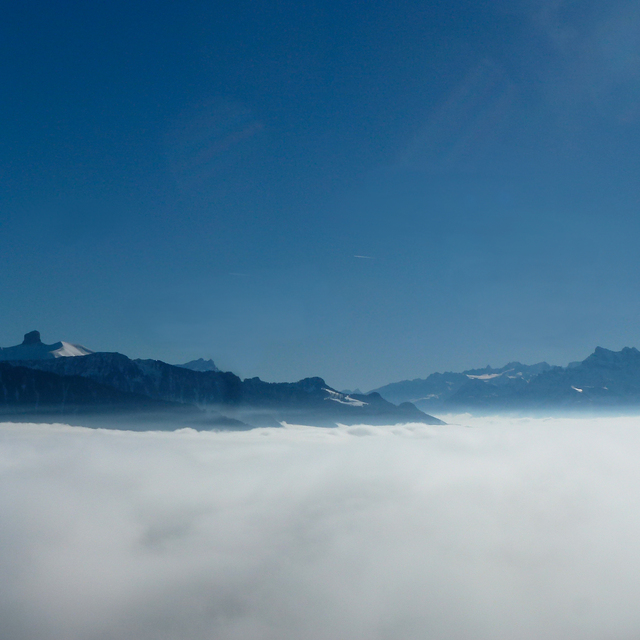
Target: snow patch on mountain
<point x="32" y="348"/>
<point x="342" y="399"/>
<point x="484" y="376"/>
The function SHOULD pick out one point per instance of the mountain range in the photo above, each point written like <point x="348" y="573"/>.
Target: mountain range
<point x="67" y="381"/>
<point x="54" y="381"/>
<point x="606" y="380"/>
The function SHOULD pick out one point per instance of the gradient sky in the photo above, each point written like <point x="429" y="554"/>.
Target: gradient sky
<point x="362" y="191"/>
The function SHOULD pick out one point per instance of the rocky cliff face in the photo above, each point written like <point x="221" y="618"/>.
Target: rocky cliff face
<point x="23" y="389"/>
<point x="152" y="378"/>
<point x="309" y="401"/>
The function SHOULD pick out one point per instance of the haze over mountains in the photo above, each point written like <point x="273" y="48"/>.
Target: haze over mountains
<point x="38" y="379"/>
<point x="606" y="380"/>
<point x="439" y="388"/>
<point x="65" y="379"/>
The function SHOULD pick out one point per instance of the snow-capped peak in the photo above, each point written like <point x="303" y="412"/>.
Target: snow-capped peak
<point x="32" y="348"/>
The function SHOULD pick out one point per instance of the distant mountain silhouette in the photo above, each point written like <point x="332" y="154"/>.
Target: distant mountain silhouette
<point x="199" y="365"/>
<point x="111" y="383"/>
<point x="606" y="380"/>
<point x="437" y="389"/>
<point x="222" y="394"/>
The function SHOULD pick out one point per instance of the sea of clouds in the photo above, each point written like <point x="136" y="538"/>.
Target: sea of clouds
<point x="494" y="528"/>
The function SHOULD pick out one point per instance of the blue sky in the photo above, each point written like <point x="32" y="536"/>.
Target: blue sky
<point x="197" y="180"/>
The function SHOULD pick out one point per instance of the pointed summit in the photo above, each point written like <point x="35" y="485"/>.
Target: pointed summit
<point x="606" y="357"/>
<point x="33" y="337"/>
<point x="199" y="365"/>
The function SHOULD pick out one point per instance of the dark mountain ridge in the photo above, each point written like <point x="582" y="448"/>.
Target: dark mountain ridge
<point x="27" y="394"/>
<point x="220" y="395"/>
<point x="310" y="401"/>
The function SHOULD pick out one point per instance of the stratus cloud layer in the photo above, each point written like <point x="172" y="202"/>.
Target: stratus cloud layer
<point x="519" y="530"/>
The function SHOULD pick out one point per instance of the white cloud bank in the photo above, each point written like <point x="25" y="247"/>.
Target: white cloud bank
<point x="513" y="530"/>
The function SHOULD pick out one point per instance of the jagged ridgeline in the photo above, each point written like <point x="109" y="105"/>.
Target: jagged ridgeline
<point x="79" y="383"/>
<point x="606" y="380"/>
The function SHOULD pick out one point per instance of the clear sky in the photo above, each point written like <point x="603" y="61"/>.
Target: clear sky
<point x="365" y="191"/>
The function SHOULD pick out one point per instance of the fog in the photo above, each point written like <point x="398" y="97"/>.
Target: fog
<point x="490" y="528"/>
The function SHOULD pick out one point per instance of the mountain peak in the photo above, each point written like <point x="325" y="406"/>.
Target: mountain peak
<point x="32" y="348"/>
<point x="604" y="356"/>
<point x="200" y="365"/>
<point x="33" y="337"/>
